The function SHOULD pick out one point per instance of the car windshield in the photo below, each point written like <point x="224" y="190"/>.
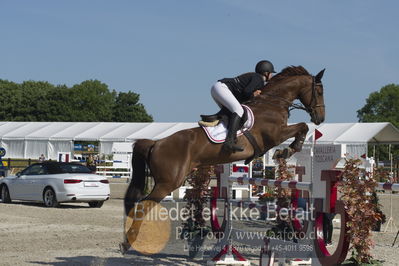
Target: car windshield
<point x="73" y="168"/>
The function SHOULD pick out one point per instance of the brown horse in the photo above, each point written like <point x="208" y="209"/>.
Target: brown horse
<point x="171" y="159"/>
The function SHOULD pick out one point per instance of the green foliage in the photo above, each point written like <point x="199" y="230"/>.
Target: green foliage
<point x="353" y="262"/>
<point x="93" y="101"/>
<point x="88" y="101"/>
<point x="128" y="108"/>
<point x="268" y="196"/>
<point x="382" y="106"/>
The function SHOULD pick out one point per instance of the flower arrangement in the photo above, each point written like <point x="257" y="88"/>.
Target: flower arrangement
<point x="357" y="191"/>
<point x="196" y="199"/>
<point x="283" y="174"/>
<point x="268" y="196"/>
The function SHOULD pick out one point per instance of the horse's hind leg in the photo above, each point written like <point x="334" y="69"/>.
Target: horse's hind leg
<point x="159" y="192"/>
<point x="169" y="175"/>
<point x="134" y="193"/>
<point x="168" y="171"/>
<point x="166" y="184"/>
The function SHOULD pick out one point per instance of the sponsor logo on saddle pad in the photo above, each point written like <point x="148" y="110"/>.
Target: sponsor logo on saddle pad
<point x="218" y="133"/>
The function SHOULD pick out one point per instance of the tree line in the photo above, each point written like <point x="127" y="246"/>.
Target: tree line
<point x="89" y="101"/>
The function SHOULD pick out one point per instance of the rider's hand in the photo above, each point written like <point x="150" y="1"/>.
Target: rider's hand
<point x="257" y="92"/>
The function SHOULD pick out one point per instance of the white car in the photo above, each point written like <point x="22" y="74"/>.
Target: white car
<point x="56" y="182"/>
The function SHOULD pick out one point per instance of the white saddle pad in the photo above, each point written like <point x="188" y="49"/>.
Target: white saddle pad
<point x="218" y="133"/>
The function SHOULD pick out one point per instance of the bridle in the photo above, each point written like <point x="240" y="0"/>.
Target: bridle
<point x="313" y="101"/>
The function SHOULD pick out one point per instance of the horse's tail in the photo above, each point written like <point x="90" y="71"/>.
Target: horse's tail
<point x="141" y="155"/>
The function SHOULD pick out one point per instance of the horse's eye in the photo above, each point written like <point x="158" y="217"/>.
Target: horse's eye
<point x="319" y="89"/>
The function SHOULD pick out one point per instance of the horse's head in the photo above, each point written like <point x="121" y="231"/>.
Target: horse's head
<point x="313" y="100"/>
<point x="295" y="82"/>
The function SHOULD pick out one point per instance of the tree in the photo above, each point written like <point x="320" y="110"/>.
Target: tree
<point x="88" y="101"/>
<point x="9" y="99"/>
<point x="382" y="106"/>
<point x="128" y="108"/>
<point x="32" y="99"/>
<point x="60" y="105"/>
<point x="92" y="101"/>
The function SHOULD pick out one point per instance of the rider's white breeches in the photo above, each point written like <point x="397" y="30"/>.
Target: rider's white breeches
<point x="224" y="97"/>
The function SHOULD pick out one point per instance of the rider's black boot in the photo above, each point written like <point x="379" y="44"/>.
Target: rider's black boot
<point x="214" y="117"/>
<point x="231" y="139"/>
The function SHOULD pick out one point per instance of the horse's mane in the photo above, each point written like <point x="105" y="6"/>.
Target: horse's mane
<point x="272" y="85"/>
<point x="287" y="72"/>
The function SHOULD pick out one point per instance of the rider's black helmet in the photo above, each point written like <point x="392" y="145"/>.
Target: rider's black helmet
<point x="264" y="66"/>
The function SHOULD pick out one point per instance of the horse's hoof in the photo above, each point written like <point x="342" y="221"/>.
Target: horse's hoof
<point x="277" y="154"/>
<point x="124" y="247"/>
<point x="287" y="153"/>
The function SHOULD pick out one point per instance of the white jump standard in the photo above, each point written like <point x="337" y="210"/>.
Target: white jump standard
<point x="311" y="246"/>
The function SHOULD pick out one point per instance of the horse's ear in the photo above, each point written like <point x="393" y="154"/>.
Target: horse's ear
<point x="319" y="76"/>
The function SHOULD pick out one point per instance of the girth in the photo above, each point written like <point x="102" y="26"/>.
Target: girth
<point x="257" y="150"/>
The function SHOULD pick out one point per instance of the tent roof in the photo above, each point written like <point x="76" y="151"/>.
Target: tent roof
<point x="355" y="133"/>
<point x="370" y="133"/>
<point x="333" y="133"/>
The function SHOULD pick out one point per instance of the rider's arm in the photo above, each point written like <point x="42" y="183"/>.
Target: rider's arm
<point x="255" y="83"/>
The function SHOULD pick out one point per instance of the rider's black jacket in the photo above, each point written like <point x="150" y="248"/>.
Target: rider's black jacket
<point x="244" y="85"/>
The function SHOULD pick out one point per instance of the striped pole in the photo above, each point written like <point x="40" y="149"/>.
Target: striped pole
<point x="388" y="186"/>
<point x="272" y="183"/>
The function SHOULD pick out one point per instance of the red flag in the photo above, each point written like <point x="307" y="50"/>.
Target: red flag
<point x="363" y="156"/>
<point x="317" y="135"/>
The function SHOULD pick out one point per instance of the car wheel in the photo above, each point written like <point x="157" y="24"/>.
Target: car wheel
<point x="96" y="204"/>
<point x="49" y="198"/>
<point x="5" y="194"/>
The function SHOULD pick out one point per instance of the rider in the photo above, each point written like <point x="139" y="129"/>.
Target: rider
<point x="231" y="92"/>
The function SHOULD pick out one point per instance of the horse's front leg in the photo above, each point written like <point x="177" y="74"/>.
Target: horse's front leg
<point x="298" y="131"/>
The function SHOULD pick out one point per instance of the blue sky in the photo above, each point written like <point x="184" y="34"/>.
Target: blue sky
<point x="172" y="51"/>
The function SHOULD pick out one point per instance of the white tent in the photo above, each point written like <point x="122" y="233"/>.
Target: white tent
<point x="354" y="137"/>
<point x="30" y="139"/>
<point x="356" y="133"/>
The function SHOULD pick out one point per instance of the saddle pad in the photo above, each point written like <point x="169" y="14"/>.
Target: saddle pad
<point x="218" y="133"/>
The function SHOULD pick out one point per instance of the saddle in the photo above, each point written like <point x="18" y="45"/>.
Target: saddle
<point x="221" y="117"/>
<point x="210" y="122"/>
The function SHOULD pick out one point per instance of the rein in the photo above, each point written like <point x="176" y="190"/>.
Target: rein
<point x="300" y="106"/>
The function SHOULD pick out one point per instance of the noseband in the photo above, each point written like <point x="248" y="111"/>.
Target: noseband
<point x="313" y="102"/>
